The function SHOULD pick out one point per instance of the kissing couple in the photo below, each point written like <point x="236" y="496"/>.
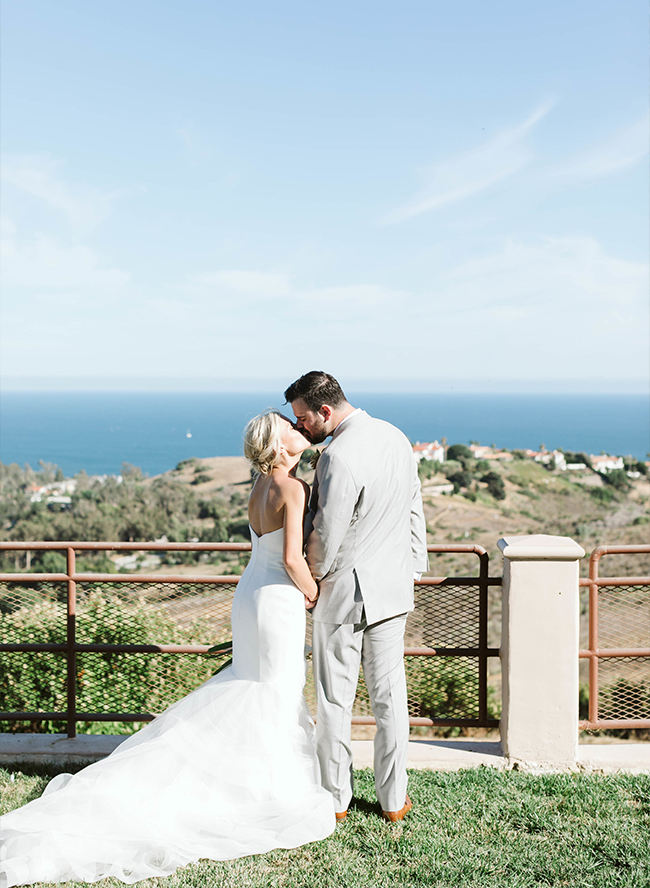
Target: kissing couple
<point x="234" y="769"/>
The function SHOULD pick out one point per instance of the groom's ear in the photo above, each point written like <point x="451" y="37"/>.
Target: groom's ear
<point x="325" y="411"/>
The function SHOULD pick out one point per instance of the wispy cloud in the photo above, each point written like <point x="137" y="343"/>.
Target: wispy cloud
<point x="282" y="288"/>
<point x="473" y="171"/>
<point x="174" y="309"/>
<point x="626" y="148"/>
<point x="84" y="206"/>
<point x="48" y="263"/>
<point x="548" y="307"/>
<point x="563" y="276"/>
<point x="256" y="283"/>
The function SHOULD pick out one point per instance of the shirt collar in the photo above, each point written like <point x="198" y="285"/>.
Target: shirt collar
<point x="343" y="421"/>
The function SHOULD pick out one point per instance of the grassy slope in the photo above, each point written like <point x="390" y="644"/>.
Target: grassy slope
<point x="476" y="829"/>
<point x="537" y="501"/>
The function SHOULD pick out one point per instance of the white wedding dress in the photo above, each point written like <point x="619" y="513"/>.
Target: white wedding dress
<point x="228" y="771"/>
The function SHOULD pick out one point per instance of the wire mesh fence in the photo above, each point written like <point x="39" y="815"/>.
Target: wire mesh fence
<point x="115" y="640"/>
<point x="624" y="688"/>
<point x="623" y="682"/>
<point x="618" y="651"/>
<point x="445" y="616"/>
<point x="623" y="616"/>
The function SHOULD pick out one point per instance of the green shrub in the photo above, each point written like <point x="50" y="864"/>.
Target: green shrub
<point x="495" y="485"/>
<point x="53" y="562"/>
<point x="115" y="682"/>
<point x="602" y="495"/>
<point x="462" y="479"/>
<point x="184" y="463"/>
<point x="427" y="468"/>
<point x="444" y="687"/>
<point x="459" y="452"/>
<point x="106" y="682"/>
<point x="305" y="459"/>
<point x="618" y="480"/>
<point x="239" y="530"/>
<point x="576" y="458"/>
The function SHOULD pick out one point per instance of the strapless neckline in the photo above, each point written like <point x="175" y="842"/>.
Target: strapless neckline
<point x="259" y="536"/>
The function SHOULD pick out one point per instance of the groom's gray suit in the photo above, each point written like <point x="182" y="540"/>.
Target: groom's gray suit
<point x="367" y="537"/>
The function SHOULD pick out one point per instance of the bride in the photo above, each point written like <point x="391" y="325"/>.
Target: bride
<point x="231" y="769"/>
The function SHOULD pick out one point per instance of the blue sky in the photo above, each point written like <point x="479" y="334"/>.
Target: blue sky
<point x="421" y="194"/>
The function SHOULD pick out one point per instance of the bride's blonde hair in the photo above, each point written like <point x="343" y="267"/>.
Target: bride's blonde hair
<point x="262" y="441"/>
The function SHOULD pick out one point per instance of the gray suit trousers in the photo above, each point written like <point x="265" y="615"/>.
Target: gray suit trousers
<point x="337" y="652"/>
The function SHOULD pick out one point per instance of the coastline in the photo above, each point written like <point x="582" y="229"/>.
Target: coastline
<point x="98" y="431"/>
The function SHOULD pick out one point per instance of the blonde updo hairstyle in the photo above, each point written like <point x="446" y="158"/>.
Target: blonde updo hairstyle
<point x="262" y="441"/>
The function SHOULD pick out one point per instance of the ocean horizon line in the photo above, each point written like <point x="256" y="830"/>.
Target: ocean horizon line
<point x="97" y="431"/>
<point x="357" y="392"/>
<point x="377" y="386"/>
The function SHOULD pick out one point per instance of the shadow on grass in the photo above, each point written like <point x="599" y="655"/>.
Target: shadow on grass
<point x="365" y="807"/>
<point x="48" y="770"/>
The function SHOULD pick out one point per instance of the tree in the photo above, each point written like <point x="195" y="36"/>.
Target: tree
<point x="459" y="452"/>
<point x="426" y="468"/>
<point x="462" y="479"/>
<point x="617" y="479"/>
<point x="578" y="458"/>
<point x="495" y="485"/>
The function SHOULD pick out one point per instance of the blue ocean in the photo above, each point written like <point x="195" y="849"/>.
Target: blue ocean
<point x="155" y="430"/>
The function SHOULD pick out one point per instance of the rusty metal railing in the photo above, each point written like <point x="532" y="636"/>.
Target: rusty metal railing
<point x="616" y="618"/>
<point x="467" y="595"/>
<point x="449" y="626"/>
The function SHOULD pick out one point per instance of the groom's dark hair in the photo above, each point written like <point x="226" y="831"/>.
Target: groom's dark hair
<point x="316" y="388"/>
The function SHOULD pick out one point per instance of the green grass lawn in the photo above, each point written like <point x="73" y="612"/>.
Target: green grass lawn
<point x="478" y="828"/>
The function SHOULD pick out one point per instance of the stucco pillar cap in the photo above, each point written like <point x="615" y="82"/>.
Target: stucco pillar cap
<point x="540" y="547"/>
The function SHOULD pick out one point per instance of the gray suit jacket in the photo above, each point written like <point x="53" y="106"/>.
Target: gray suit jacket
<point x="366" y="528"/>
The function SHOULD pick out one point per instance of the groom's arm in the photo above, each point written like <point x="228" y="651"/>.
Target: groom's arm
<point x="337" y="500"/>
<point x="312" y="508"/>
<point x="418" y="528"/>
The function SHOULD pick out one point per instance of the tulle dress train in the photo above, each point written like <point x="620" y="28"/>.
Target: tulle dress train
<point x="228" y="771"/>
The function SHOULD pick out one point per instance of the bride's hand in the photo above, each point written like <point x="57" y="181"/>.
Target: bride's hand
<point x="311" y="602"/>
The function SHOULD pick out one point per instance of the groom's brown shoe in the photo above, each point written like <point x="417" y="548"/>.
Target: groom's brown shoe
<point x="341" y="815"/>
<point x="394" y="816"/>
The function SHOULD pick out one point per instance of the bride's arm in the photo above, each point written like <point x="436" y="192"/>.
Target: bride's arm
<point x="294" y="560"/>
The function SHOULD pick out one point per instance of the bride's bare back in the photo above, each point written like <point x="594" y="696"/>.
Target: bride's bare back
<point x="279" y="500"/>
<point x="268" y="499"/>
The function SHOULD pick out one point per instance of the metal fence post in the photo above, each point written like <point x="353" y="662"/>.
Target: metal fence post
<point x="593" y="638"/>
<point x="71" y="638"/>
<point x="483" y="639"/>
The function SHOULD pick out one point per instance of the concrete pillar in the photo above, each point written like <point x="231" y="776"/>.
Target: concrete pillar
<point x="539" y="649"/>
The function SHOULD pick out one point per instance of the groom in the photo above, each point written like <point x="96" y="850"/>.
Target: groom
<point x="367" y="540"/>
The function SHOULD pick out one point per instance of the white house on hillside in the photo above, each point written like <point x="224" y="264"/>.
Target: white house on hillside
<point x="545" y="457"/>
<point x="429" y="450"/>
<point x="482" y="451"/>
<point x="606" y="463"/>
